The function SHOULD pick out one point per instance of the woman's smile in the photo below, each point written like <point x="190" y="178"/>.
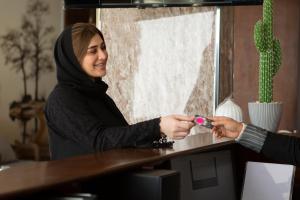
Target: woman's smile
<point x="94" y="62"/>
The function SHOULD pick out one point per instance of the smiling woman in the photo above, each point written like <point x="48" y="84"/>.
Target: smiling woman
<point x="94" y="63"/>
<point x="90" y="49"/>
<point x="81" y="117"/>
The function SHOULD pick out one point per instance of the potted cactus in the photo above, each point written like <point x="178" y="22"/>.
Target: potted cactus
<point x="266" y="113"/>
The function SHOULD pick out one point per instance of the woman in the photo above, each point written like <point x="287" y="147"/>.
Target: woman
<point x="81" y="117"/>
<point x="282" y="148"/>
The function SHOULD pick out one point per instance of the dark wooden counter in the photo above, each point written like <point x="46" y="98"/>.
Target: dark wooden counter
<point x="32" y="177"/>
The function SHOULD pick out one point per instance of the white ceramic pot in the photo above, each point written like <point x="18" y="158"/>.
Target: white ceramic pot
<point x="265" y="115"/>
<point x="229" y="108"/>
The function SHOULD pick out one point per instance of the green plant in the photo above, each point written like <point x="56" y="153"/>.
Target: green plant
<point x="269" y="51"/>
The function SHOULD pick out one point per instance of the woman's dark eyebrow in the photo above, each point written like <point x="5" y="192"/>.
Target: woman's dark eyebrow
<point x="95" y="46"/>
<point x="92" y="47"/>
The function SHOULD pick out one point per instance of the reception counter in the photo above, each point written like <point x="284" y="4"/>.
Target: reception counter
<point x="28" y="179"/>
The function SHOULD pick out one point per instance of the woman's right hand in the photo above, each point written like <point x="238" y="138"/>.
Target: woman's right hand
<point x="225" y="127"/>
<point x="176" y="126"/>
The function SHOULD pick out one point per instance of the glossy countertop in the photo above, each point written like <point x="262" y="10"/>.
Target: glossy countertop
<point x="30" y="177"/>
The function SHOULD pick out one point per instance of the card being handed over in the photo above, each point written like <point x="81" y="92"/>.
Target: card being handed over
<point x="203" y="121"/>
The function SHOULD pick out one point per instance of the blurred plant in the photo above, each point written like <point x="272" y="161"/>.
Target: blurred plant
<point x="16" y="53"/>
<point x="28" y="49"/>
<point x="37" y="37"/>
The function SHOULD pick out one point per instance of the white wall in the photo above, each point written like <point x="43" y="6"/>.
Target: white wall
<point x="11" y="85"/>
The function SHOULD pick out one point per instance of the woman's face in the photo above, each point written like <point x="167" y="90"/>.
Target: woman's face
<point x="94" y="62"/>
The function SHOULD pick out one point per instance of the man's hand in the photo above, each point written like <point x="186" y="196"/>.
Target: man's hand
<point x="225" y="127"/>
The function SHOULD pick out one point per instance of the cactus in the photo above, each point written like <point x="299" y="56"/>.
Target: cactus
<point x="269" y="51"/>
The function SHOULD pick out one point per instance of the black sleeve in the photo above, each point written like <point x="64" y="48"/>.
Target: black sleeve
<point x="74" y="121"/>
<point x="282" y="148"/>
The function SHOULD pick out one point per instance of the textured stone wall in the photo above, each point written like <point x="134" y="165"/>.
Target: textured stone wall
<point x="161" y="60"/>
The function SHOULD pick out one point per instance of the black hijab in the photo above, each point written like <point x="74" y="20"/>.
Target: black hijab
<point x="69" y="71"/>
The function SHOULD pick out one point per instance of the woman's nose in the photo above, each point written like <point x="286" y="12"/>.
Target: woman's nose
<point x="102" y="54"/>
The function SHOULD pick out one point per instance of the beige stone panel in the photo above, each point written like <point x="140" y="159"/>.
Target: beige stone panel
<point x="122" y="34"/>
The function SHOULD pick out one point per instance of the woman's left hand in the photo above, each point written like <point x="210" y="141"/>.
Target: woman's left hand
<point x="176" y="126"/>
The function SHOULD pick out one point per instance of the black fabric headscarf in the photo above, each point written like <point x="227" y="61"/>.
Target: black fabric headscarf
<point x="69" y="70"/>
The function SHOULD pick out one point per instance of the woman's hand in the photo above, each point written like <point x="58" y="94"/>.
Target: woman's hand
<point x="225" y="127"/>
<point x="176" y="126"/>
